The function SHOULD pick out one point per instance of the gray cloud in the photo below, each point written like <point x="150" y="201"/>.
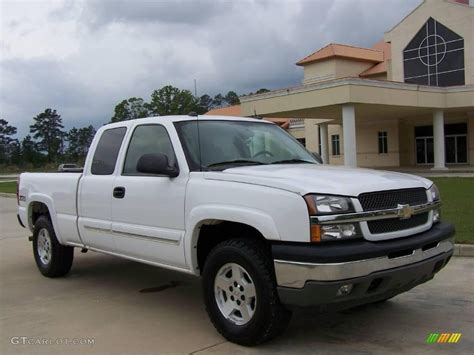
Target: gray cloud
<point x="83" y="57"/>
<point x="184" y="12"/>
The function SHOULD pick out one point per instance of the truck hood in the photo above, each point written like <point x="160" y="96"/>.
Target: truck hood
<point x="324" y="179"/>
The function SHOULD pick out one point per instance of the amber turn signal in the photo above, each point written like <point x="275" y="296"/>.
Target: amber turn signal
<point x="315" y="233"/>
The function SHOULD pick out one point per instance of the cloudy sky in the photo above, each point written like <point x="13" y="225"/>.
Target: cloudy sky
<point x="83" y="57"/>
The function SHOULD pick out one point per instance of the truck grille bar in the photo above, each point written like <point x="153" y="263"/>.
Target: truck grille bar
<point x="402" y="212"/>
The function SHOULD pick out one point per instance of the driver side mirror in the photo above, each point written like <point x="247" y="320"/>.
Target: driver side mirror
<point x="156" y="164"/>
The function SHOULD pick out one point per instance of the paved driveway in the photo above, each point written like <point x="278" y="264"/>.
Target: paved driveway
<point x="129" y="308"/>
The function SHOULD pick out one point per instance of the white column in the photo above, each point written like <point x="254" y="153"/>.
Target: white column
<point x="323" y="138"/>
<point x="438" y="140"/>
<point x="349" y="131"/>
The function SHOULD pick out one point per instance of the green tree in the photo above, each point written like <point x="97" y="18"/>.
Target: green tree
<point x="73" y="144"/>
<point x="86" y="135"/>
<point x="262" y="90"/>
<point x="29" y="152"/>
<point x="7" y="143"/>
<point x="205" y="104"/>
<point x="47" y="128"/>
<point x="232" y="98"/>
<point x="15" y="152"/>
<point x="79" y="141"/>
<point x="170" y="100"/>
<point x="130" y="109"/>
<point x="218" y="101"/>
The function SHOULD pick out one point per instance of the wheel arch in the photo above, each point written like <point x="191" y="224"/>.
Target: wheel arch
<point x="217" y="223"/>
<point x="41" y="205"/>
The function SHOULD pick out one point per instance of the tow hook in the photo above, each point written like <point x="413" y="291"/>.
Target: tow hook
<point x="84" y="250"/>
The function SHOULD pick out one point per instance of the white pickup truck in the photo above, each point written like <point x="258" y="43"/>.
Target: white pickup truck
<point x="243" y="205"/>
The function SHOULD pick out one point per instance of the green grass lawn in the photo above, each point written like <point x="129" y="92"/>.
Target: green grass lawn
<point x="457" y="195"/>
<point x="8" y="187"/>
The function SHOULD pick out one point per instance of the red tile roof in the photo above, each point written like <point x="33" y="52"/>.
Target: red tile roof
<point x="344" y="51"/>
<point x="382" y="67"/>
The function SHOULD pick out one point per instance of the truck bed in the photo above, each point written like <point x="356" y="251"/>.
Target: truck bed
<point x="59" y="192"/>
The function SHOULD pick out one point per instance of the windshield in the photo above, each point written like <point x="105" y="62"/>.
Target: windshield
<point x="225" y="144"/>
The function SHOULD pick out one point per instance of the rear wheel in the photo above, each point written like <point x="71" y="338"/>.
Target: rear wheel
<point x="52" y="258"/>
<point x="240" y="292"/>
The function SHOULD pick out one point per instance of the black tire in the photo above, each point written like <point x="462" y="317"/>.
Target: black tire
<point x="270" y="318"/>
<point x="60" y="258"/>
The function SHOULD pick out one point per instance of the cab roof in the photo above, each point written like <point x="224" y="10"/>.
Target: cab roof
<point x="181" y="118"/>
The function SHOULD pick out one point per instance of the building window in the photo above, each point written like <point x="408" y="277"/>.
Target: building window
<point x="434" y="57"/>
<point x="336" y="149"/>
<point x="383" y="145"/>
<point x="302" y="141"/>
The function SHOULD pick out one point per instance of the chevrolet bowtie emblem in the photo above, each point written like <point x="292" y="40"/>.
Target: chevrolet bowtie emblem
<point x="405" y="211"/>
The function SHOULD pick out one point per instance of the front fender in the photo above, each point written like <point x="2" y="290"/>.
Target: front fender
<point x="198" y="216"/>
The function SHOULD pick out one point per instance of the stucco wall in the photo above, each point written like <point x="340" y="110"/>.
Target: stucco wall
<point x="368" y="148"/>
<point x="319" y="71"/>
<point x="458" y="18"/>
<point x="367" y="144"/>
<point x="312" y="135"/>
<point x="333" y="69"/>
<point x="350" y="68"/>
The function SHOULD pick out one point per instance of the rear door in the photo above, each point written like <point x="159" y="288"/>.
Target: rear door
<point x="96" y="191"/>
<point x="148" y="220"/>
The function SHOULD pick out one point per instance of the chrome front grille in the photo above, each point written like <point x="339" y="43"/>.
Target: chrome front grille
<point x="382" y="200"/>
<point x="394" y="225"/>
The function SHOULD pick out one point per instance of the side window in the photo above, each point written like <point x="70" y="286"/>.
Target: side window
<point x="336" y="149"/>
<point x="383" y="143"/>
<point x="107" y="150"/>
<point x="147" y="139"/>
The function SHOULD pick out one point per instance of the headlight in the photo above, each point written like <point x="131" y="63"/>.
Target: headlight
<point x="324" y="205"/>
<point x="434" y="193"/>
<point x="435" y="196"/>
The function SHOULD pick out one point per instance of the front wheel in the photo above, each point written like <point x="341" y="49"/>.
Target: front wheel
<point x="240" y="292"/>
<point x="52" y="258"/>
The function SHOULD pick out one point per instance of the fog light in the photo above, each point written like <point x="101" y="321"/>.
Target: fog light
<point x="337" y="232"/>
<point x="436" y="216"/>
<point x="344" y="290"/>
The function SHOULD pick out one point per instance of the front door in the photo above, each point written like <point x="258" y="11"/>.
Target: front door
<point x="148" y="217"/>
<point x="456" y="149"/>
<point x="424" y="150"/>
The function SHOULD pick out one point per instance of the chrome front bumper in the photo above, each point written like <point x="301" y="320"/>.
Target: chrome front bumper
<point x="295" y="274"/>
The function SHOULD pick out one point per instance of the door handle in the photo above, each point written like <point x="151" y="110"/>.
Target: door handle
<point x="119" y="192"/>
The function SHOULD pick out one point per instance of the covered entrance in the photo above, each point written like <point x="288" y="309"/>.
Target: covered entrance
<point x="419" y="125"/>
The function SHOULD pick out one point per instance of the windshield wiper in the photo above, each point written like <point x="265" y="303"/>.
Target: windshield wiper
<point x="236" y="161"/>
<point x="293" y="161"/>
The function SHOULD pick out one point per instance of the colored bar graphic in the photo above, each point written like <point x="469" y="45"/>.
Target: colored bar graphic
<point x="443" y="338"/>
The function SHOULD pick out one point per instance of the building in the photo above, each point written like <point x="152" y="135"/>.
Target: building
<point x="407" y="101"/>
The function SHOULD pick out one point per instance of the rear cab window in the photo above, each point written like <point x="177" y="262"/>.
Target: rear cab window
<point x="107" y="150"/>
